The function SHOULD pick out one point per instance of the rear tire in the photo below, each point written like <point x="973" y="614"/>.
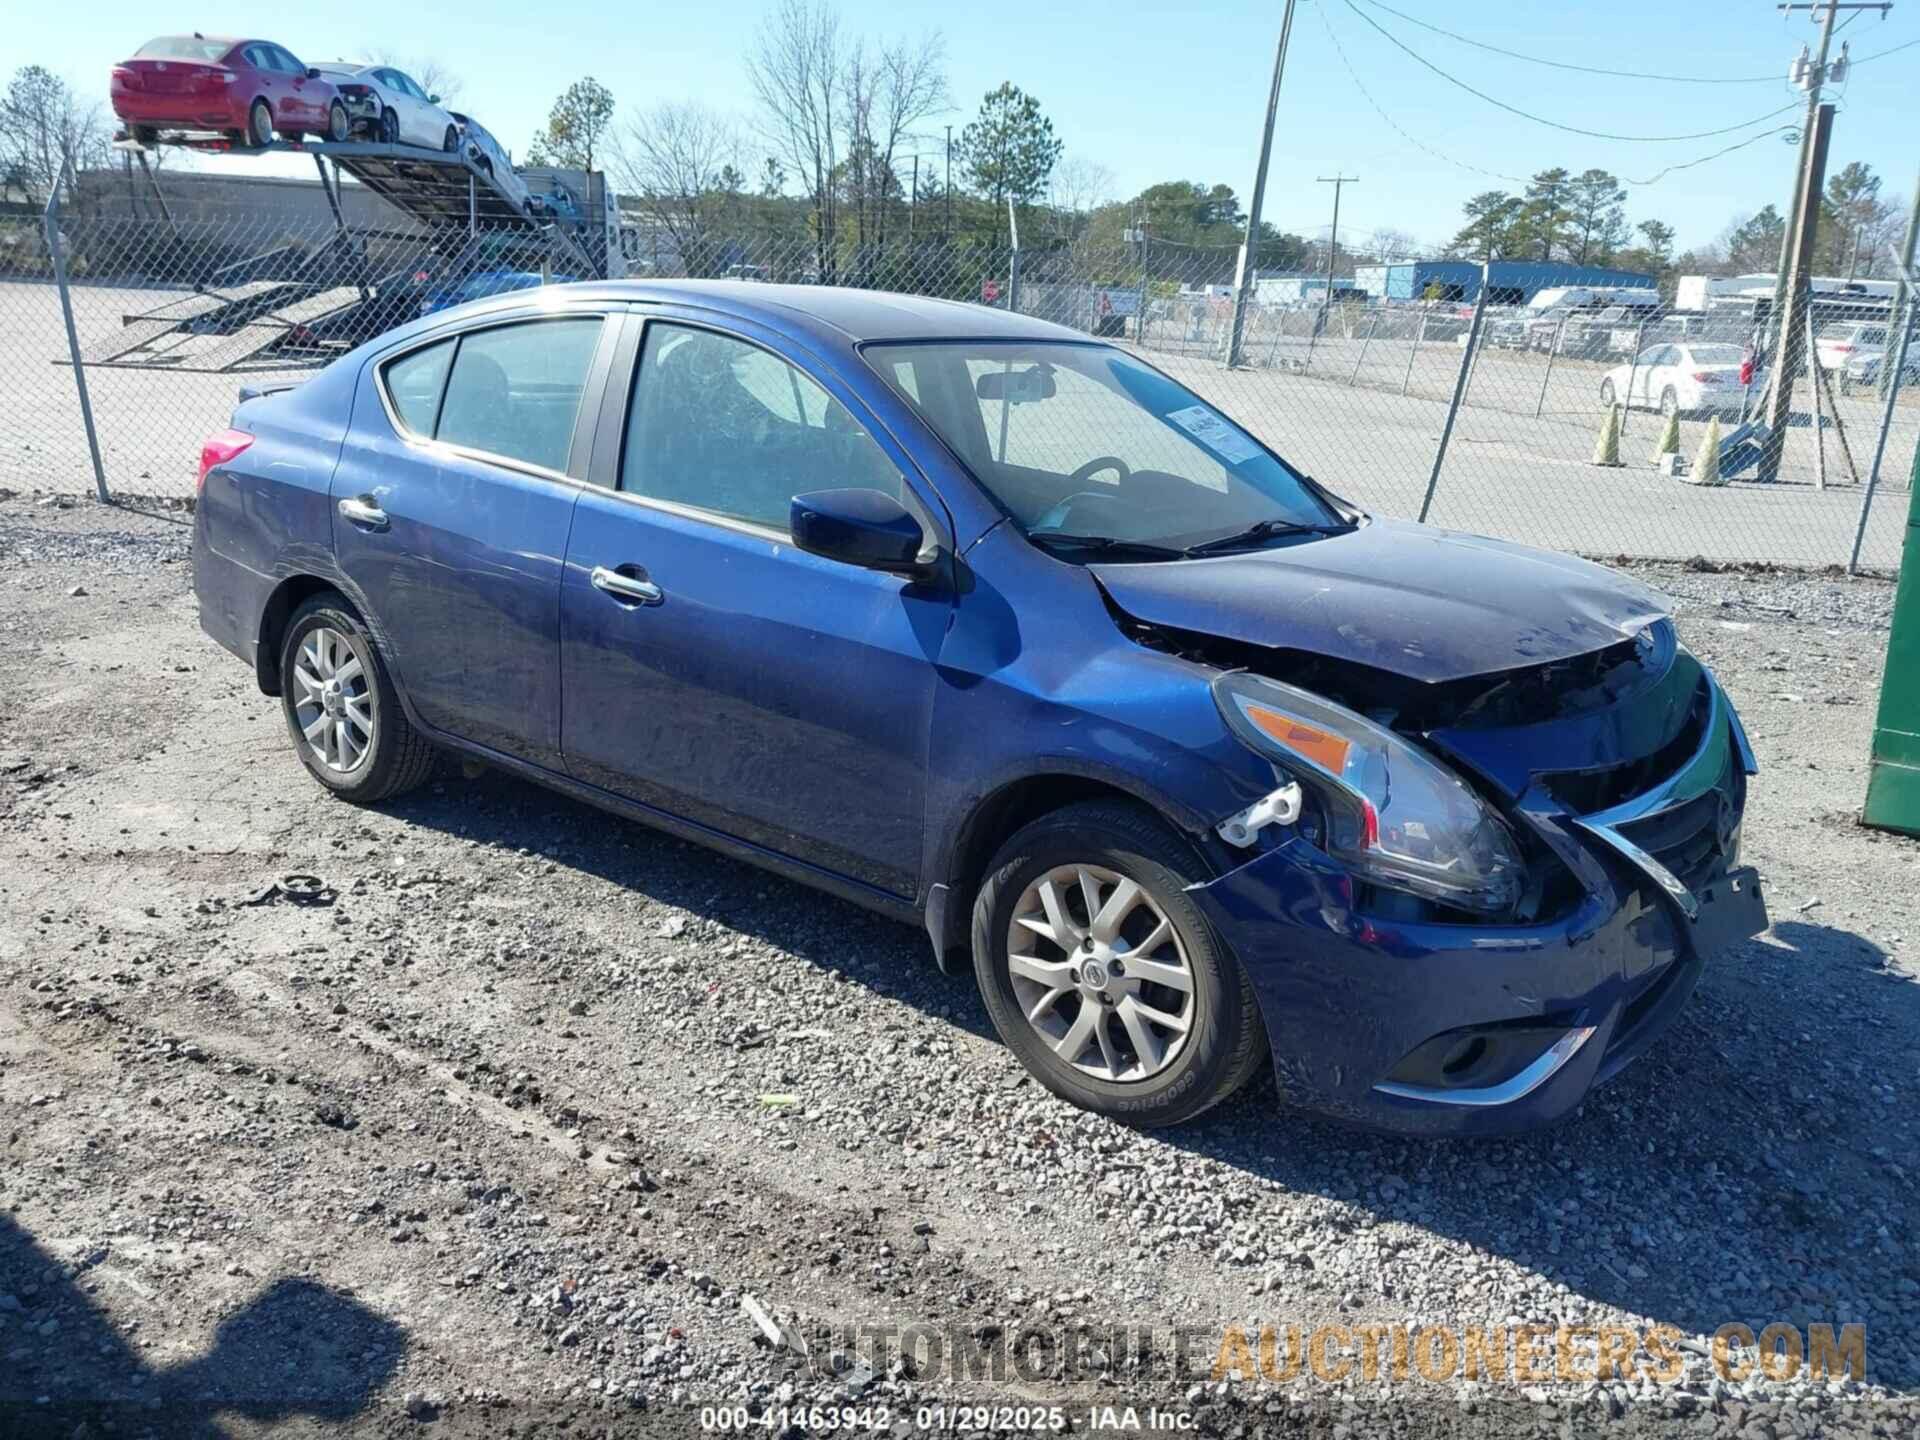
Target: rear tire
<point x="146" y="135"/>
<point x="1164" y="1076"/>
<point x="259" y="124"/>
<point x="342" y="711"/>
<point x="339" y="128"/>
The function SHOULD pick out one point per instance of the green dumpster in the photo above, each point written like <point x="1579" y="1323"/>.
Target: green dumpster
<point x="1893" y="780"/>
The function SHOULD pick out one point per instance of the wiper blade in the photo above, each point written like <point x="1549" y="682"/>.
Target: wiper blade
<point x="1258" y="531"/>
<point x="1104" y="544"/>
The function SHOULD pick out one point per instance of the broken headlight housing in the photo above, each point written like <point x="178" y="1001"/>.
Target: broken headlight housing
<point x="1394" y="815"/>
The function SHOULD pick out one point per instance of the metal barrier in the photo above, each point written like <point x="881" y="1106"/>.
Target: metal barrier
<point x="142" y="325"/>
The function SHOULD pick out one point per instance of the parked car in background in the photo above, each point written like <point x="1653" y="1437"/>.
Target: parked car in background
<point x="1862" y="367"/>
<point x="1678" y="380"/>
<point x="1836" y="344"/>
<point x="391" y="107"/>
<point x="555" y="203"/>
<point x="247" y="90"/>
<point x="483" y="283"/>
<point x="1003" y="633"/>
<point x="492" y="159"/>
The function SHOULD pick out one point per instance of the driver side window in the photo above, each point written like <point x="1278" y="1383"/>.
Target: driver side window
<point x="723" y="426"/>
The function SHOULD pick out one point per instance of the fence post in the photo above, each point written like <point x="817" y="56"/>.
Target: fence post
<point x="1373" y="326"/>
<point x="1880" y="444"/>
<point x="1553" y="348"/>
<point x="1013" y="282"/>
<point x="1418" y="335"/>
<point x="1819" y="416"/>
<point x="56" y="247"/>
<point x="1633" y="369"/>
<point x="1459" y="389"/>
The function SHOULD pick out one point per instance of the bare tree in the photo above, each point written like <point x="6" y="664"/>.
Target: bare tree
<point x="891" y="90"/>
<point x="797" y="68"/>
<point x="681" y="159"/>
<point x="45" y="128"/>
<point x="837" y="113"/>
<point x="1077" y="187"/>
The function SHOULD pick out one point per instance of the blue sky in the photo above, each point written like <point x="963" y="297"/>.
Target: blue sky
<point x="1155" y="94"/>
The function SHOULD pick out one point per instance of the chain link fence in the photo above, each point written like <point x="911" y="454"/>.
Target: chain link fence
<point x="1579" y="429"/>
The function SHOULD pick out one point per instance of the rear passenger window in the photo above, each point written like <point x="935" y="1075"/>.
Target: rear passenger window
<point x="515" y="390"/>
<point x="414" y="383"/>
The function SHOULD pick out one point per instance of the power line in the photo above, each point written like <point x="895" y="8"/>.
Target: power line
<point x="1398" y="44"/>
<point x="1583" y="69"/>
<point x="1660" y="175"/>
<point x="1395" y="125"/>
<point x="1420" y="144"/>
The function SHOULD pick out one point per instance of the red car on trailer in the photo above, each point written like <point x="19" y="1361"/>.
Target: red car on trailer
<point x="247" y="90"/>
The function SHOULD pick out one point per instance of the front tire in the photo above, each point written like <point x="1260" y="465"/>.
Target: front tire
<point x="343" y="713"/>
<point x="1102" y="975"/>
<point x="450" y="141"/>
<point x="339" y="128"/>
<point x="1669" y="403"/>
<point x="389" y="128"/>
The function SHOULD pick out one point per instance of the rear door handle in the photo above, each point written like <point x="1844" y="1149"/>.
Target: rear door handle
<point x="362" y="511"/>
<point x="625" y="587"/>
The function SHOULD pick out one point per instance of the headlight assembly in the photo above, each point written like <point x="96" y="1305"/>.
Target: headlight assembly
<point x="1395" y="816"/>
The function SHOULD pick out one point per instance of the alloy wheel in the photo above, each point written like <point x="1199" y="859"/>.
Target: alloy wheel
<point x="334" y="703"/>
<point x="1100" y="973"/>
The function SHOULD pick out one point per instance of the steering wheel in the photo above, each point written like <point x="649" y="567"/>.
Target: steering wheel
<point x="1094" y="466"/>
<point x="1056" y="517"/>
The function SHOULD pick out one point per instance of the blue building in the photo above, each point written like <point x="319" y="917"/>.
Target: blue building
<point x="1511" y="282"/>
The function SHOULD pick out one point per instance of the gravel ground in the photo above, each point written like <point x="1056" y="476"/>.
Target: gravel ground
<point x="499" y="1132"/>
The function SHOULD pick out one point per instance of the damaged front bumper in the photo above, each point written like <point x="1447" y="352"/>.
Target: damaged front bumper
<point x="1447" y="1028"/>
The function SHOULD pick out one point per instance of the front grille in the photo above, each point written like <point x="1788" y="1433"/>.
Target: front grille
<point x="1686" y="839"/>
<point x="1587" y="792"/>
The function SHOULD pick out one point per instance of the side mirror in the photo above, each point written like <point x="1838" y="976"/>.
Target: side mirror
<point x="867" y="528"/>
<point x="433" y="99"/>
<point x="312" y="73"/>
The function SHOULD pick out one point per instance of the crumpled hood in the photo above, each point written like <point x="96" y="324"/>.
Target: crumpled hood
<point x="1428" y="604"/>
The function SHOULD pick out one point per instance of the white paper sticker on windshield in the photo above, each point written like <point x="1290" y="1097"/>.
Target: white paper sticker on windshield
<point x="1214" y="433"/>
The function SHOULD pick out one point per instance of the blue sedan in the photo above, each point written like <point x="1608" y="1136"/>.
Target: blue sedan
<point x="1003" y="632"/>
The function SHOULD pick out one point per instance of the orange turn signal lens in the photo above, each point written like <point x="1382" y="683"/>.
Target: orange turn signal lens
<point x="1322" y="747"/>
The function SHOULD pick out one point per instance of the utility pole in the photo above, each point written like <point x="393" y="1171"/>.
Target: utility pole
<point x="949" y="225"/>
<point x="1796" y="251"/>
<point x="1903" y="296"/>
<point x="1333" y="238"/>
<point x="913" y="202"/>
<point x="1249" y="251"/>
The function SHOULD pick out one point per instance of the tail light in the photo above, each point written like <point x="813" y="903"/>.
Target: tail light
<point x="1705" y="377"/>
<point x="122" y="76"/>
<point x="1746" y="368"/>
<point x="220" y="450"/>
<point x="1838" y="348"/>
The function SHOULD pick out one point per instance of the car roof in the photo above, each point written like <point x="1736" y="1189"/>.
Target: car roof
<point x="837" y="313"/>
<point x="355" y="66"/>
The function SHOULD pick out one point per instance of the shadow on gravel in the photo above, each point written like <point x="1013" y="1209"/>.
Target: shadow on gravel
<point x="297" y="1349"/>
<point x="512" y="815"/>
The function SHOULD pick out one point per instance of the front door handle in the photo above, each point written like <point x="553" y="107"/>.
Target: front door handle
<point x="625" y="587"/>
<point x="362" y="511"/>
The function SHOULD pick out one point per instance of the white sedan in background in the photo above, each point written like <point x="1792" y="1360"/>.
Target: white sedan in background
<point x="1678" y="379"/>
<point x="388" y="105"/>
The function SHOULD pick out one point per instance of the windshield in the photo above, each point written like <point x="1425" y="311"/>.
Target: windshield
<point x="1717" y="354"/>
<point x="1085" y="441"/>
<point x="183" y="47"/>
